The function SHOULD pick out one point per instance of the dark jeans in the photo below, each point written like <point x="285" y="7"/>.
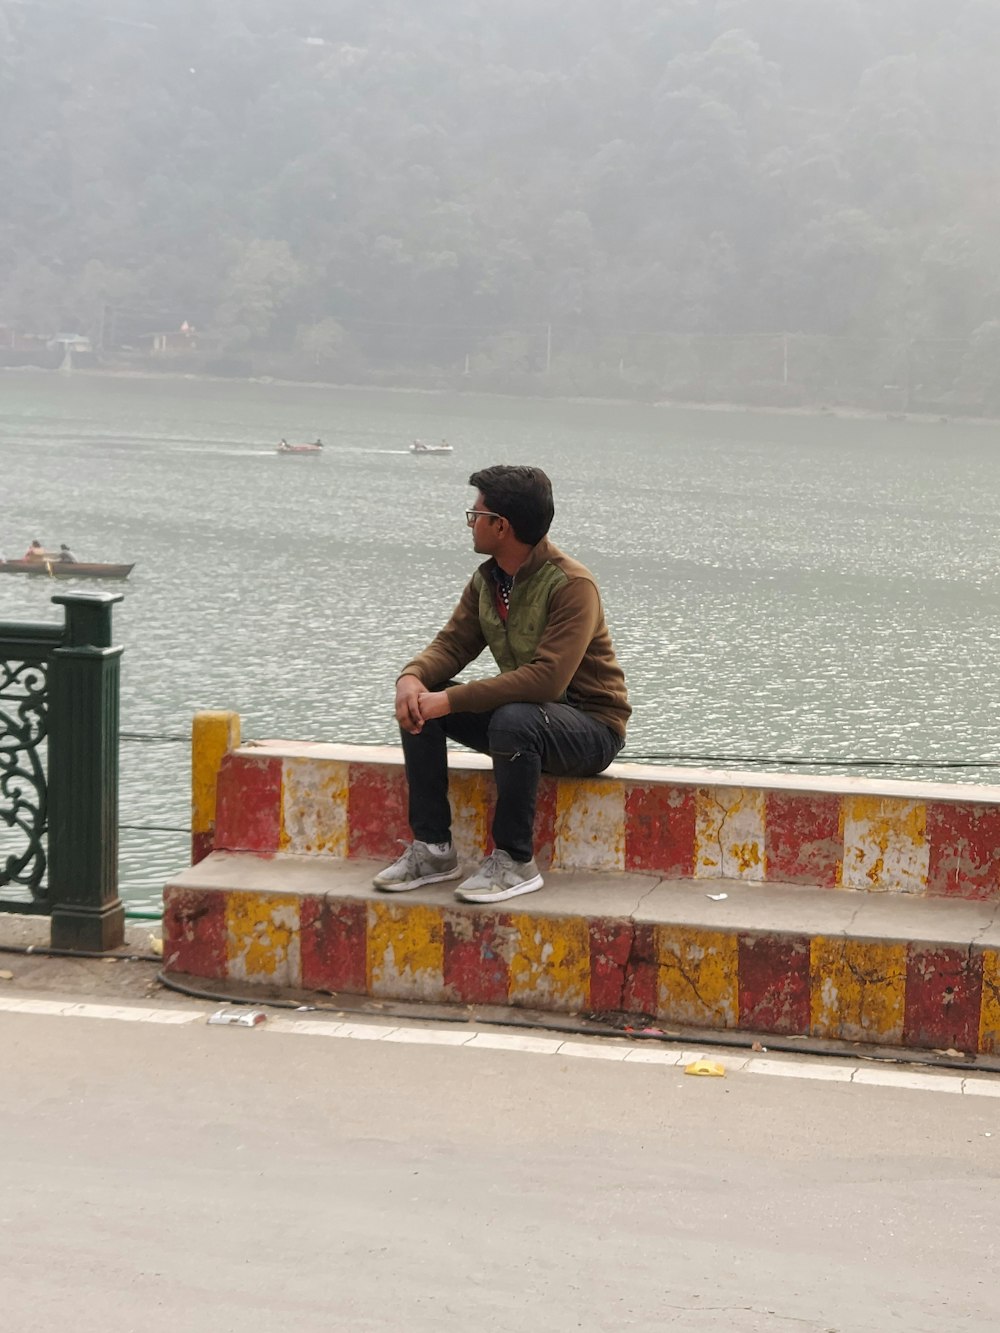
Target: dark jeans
<point x="523" y="740"/>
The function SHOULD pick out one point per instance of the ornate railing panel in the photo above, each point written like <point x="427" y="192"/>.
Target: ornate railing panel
<point x="24" y="720"/>
<point x="26" y="655"/>
<point x="59" y="690"/>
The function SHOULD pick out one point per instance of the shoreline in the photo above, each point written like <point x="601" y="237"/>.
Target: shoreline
<point x="842" y="413"/>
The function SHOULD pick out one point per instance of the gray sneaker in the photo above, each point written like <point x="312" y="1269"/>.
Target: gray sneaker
<point x="418" y="865"/>
<point x="500" y="877"/>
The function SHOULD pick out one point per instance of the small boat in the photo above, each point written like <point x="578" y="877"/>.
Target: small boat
<point x="66" y="569"/>
<point x="315" y="448"/>
<point x="421" y="447"/>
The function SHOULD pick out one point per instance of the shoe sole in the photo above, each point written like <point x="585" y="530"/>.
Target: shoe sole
<point x="405" y="886"/>
<point x="499" y="896"/>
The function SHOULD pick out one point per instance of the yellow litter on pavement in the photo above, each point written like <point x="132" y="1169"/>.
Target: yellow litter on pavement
<point x="708" y="1068"/>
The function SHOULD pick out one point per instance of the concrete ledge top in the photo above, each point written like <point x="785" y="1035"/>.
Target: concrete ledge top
<point x="976" y="793"/>
<point x="747" y="907"/>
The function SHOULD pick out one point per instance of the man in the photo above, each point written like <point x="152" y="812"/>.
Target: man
<point x="36" y="551"/>
<point x="559" y="704"/>
<point x="66" y="556"/>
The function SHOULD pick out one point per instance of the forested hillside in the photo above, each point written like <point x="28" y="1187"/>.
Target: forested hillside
<point x="520" y="192"/>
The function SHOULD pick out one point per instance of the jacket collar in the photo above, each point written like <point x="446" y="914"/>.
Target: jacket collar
<point x="538" y="556"/>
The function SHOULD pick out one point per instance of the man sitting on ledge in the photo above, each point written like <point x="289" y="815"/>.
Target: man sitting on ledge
<point x="558" y="706"/>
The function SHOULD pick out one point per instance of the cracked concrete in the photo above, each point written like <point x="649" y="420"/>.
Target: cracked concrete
<point x="834" y="963"/>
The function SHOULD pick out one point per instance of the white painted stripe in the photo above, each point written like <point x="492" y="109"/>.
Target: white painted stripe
<point x="429" y="1037"/>
<point x="870" y="1074"/>
<point x="978" y="1087"/>
<point x="904" y="1078"/>
<point x="497" y="1041"/>
<point x="35" y="1006"/>
<point x="647" y="1054"/>
<point x="304" y="1027"/>
<point x="364" y="1031"/>
<point x="799" y="1068"/>
<point x="121" y="1013"/>
<point x="593" y="1050"/>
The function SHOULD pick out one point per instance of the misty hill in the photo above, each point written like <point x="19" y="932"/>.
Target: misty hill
<point x="462" y="183"/>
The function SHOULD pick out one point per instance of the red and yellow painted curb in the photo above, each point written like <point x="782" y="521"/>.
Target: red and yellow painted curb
<point x="269" y="798"/>
<point x="880" y="991"/>
<point x="321" y="804"/>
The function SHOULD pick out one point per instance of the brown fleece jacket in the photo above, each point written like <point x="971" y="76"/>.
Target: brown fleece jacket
<point x="554" y="647"/>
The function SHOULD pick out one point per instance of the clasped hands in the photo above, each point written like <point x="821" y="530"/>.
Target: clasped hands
<point x="415" y="704"/>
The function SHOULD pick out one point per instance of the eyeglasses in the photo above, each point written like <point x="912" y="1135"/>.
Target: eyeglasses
<point x="472" y="514"/>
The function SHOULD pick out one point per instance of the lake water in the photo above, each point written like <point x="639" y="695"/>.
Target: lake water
<point x="821" y="589"/>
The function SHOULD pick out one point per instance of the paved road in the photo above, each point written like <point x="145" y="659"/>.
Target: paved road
<point x="207" y="1179"/>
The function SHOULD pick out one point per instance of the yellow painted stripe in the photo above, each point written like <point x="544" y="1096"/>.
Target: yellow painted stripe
<point x="858" y="990"/>
<point x="469" y="793"/>
<point x="314" y="797"/>
<point x="213" y="735"/>
<point x="729" y="833"/>
<point x="550" y="963"/>
<point x="405" y="951"/>
<point x="589" y="824"/>
<point x="698" y="974"/>
<point x="262" y="937"/>
<point x="885" y="844"/>
<point x="989" y="1014"/>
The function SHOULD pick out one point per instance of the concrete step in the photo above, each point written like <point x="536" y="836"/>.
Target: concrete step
<point x="789" y="959"/>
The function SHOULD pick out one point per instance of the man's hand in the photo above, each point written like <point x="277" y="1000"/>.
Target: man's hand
<point x="433" y="705"/>
<point x="408" y="692"/>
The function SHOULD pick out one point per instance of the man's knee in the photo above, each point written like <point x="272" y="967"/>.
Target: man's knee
<point x="515" y="727"/>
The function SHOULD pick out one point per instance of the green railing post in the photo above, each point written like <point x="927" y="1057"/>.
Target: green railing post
<point x="87" y="914"/>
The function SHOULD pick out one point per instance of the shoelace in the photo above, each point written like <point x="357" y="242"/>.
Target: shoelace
<point x="409" y="853"/>
<point x="493" y="865"/>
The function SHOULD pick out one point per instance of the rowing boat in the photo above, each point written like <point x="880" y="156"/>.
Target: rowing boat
<point x="285" y="448"/>
<point x="66" y="569"/>
<point x="420" y="447"/>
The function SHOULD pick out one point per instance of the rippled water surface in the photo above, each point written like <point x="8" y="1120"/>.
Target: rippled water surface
<point x="817" y="588"/>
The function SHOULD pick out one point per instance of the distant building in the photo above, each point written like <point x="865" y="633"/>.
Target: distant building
<point x="69" y="342"/>
<point x="173" y="342"/>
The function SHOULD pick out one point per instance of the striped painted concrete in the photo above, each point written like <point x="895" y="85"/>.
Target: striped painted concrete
<point x="768" y="960"/>
<point x="350" y="801"/>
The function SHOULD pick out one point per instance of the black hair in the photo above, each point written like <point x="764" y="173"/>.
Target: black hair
<point x="521" y="495"/>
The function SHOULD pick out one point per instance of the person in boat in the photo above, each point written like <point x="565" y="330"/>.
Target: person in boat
<point x="318" y="442"/>
<point x="559" y="704"/>
<point x="66" y="556"/>
<point x="36" y="551"/>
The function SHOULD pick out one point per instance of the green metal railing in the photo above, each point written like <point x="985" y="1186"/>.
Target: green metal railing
<point x="59" y="735"/>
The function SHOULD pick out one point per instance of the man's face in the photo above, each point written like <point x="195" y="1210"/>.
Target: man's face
<point x="484" y="528"/>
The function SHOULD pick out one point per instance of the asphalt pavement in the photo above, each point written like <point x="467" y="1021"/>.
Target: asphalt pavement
<point x="166" y="1174"/>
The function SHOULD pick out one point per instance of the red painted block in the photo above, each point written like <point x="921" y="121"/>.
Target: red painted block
<point x="194" y="932"/>
<point x="774" y="983"/>
<point x="964" y="846"/>
<point x="376" y="810"/>
<point x="944" y="989"/>
<point x="641" y="992"/>
<point x="803" y="841"/>
<point x="610" y="947"/>
<point x="475" y="962"/>
<point x="644" y="943"/>
<point x="545" y="821"/>
<point x="334" y="939"/>
<point x="659" y="830"/>
<point x="248" y="808"/>
<point x="202" y="844"/>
